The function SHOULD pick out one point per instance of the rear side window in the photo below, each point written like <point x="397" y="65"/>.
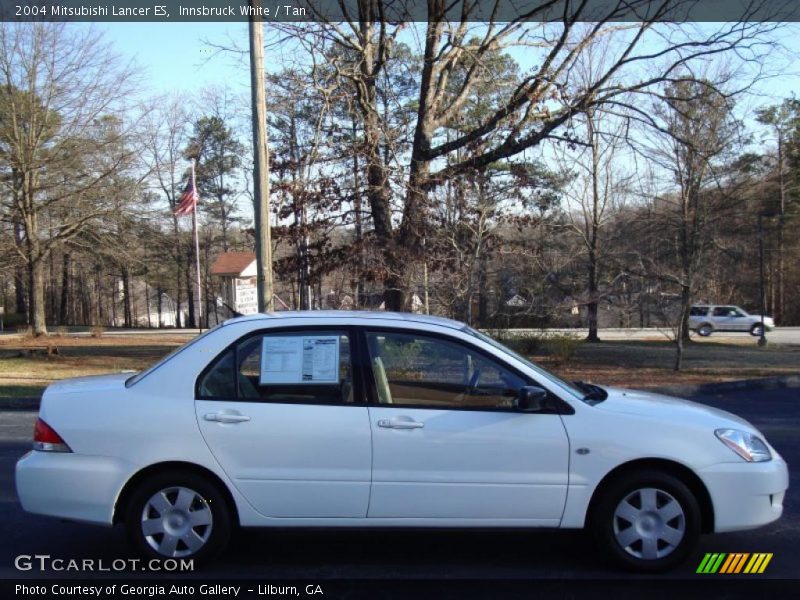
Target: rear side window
<point x="724" y="311"/>
<point x="284" y="368"/>
<point x="698" y="311"/>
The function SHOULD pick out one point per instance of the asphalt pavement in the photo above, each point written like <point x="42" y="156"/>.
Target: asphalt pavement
<point x="371" y="554"/>
<point x="780" y="335"/>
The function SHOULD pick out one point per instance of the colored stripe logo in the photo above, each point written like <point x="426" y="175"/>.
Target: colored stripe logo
<point x="734" y="563"/>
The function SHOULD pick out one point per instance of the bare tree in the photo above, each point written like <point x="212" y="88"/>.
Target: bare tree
<point x="539" y="106"/>
<point x="167" y="136"/>
<point x="59" y="150"/>
<point x="698" y="139"/>
<point x="782" y="119"/>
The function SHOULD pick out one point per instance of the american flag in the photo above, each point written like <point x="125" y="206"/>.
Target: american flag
<point x="188" y="200"/>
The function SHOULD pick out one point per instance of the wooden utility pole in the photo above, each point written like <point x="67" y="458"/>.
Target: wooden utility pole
<point x="260" y="164"/>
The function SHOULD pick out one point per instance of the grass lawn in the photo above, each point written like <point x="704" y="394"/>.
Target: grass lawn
<point x="647" y="364"/>
<point x="634" y="364"/>
<point x="27" y="376"/>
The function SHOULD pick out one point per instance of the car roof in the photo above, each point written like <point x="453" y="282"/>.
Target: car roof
<point x="350" y="315"/>
<point x="708" y="305"/>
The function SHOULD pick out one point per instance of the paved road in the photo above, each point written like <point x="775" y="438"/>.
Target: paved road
<point x="410" y="554"/>
<point x="781" y="335"/>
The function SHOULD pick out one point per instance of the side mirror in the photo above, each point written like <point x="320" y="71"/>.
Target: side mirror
<point x="531" y="398"/>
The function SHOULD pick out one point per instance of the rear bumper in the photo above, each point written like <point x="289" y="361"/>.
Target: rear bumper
<point x="71" y="486"/>
<point x="746" y="495"/>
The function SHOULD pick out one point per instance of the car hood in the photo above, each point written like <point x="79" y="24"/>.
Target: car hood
<point x="76" y="385"/>
<point x="667" y="408"/>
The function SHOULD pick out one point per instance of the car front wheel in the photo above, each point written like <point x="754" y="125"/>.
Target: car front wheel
<point x="176" y="515"/>
<point x="755" y="330"/>
<point x="647" y="521"/>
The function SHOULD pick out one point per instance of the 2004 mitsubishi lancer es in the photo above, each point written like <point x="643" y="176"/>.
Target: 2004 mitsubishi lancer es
<point x="335" y="419"/>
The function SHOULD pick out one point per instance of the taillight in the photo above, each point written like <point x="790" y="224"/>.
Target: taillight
<point x="46" y="439"/>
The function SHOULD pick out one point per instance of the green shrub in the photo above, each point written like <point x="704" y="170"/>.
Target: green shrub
<point x="525" y="343"/>
<point x="560" y="346"/>
<point x="563" y="346"/>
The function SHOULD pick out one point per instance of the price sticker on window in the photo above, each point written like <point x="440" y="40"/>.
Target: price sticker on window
<point x="300" y="359"/>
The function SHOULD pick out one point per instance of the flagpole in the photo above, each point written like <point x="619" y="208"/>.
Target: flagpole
<point x="197" y="252"/>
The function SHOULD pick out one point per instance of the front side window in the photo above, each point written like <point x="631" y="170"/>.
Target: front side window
<point x="418" y="370"/>
<point x="308" y="367"/>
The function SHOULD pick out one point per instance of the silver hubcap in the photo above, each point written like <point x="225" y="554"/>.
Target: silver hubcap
<point x="649" y="523"/>
<point x="176" y="522"/>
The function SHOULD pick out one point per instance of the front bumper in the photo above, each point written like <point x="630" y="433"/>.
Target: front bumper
<point x="746" y="495"/>
<point x="71" y="486"/>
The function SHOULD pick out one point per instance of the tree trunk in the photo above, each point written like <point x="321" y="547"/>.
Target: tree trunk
<point x="20" y="292"/>
<point x="593" y="226"/>
<point x="403" y="255"/>
<point x="126" y="297"/>
<point x="63" y="316"/>
<point x="682" y="333"/>
<point x="36" y="283"/>
<point x="378" y="188"/>
<point x="159" y="302"/>
<point x="678" y="353"/>
<point x="592" y="306"/>
<point x="359" y="278"/>
<point x="191" y="322"/>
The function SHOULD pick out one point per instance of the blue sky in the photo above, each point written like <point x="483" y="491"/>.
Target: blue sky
<point x="175" y="57"/>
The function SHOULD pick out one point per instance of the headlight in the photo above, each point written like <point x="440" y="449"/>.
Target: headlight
<point x="746" y="445"/>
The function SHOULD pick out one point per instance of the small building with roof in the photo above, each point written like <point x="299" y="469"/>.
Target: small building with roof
<point x="237" y="270"/>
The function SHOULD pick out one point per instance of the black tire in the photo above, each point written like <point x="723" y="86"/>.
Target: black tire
<point x="705" y="330"/>
<point x="208" y="499"/>
<point x="755" y="330"/>
<point x="608" y="527"/>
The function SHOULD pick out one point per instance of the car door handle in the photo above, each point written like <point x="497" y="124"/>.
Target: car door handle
<point x="400" y="424"/>
<point x="226" y="417"/>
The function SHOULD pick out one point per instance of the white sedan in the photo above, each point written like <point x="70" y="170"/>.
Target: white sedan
<point x="335" y="419"/>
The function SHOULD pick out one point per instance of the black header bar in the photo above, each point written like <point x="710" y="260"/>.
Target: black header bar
<point x="398" y="11"/>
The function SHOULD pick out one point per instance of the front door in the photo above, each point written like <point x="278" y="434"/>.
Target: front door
<point x="280" y="413"/>
<point x="447" y="441"/>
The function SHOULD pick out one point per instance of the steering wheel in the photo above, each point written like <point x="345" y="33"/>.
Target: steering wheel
<point x="473" y="381"/>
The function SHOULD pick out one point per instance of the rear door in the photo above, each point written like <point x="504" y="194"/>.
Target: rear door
<point x="448" y="442"/>
<point x="285" y="418"/>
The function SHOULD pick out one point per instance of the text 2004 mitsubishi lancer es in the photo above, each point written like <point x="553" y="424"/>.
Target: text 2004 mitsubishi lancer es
<point x="335" y="419"/>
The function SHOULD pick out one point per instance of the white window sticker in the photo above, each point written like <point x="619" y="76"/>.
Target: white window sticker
<point x="300" y="359"/>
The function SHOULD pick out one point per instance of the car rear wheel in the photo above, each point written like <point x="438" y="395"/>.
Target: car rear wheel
<point x="755" y="330"/>
<point x="647" y="521"/>
<point x="178" y="515"/>
<point x="705" y="330"/>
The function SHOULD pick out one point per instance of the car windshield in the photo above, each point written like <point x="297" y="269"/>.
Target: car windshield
<point x="567" y="386"/>
<point x="133" y="380"/>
